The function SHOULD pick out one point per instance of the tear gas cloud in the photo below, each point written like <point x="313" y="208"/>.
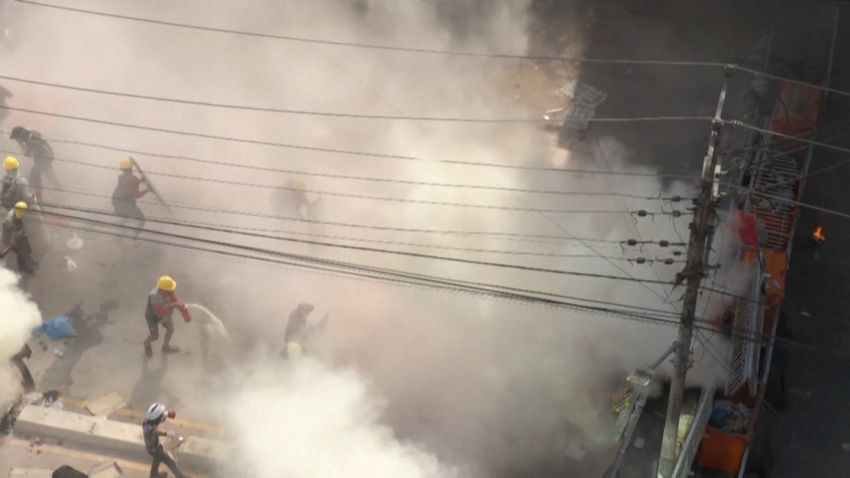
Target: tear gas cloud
<point x="464" y="382"/>
<point x="20" y="316"/>
<point x="274" y="414"/>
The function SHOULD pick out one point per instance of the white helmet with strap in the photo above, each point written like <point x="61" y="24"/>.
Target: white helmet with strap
<point x="155" y="412"/>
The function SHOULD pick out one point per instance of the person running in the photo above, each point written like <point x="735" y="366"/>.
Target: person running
<point x="154" y="417"/>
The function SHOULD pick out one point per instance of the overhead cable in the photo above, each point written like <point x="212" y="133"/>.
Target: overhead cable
<point x="360" y="116"/>
<point x="46" y="210"/>
<point x="374" y="46"/>
<point x="321" y="149"/>
<point x="552" y="192"/>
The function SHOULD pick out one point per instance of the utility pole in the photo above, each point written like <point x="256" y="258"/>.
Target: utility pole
<point x="640" y="380"/>
<point x="698" y="247"/>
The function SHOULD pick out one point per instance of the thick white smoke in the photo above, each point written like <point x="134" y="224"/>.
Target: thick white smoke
<point x="20" y="316"/>
<point x="303" y="419"/>
<point x="493" y="386"/>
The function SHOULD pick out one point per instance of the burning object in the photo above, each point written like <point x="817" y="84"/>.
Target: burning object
<point x="818" y="236"/>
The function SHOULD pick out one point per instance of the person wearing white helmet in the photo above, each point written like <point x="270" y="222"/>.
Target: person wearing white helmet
<point x="154" y="417"/>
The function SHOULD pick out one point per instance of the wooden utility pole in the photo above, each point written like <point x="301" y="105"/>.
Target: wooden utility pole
<point x="702" y="229"/>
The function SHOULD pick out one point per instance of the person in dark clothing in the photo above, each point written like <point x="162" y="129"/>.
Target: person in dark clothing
<point x="127" y="191"/>
<point x="26" y="377"/>
<point x="66" y="471"/>
<point x="299" y="336"/>
<point x="154" y="417"/>
<point x="15" y="238"/>
<point x="35" y="147"/>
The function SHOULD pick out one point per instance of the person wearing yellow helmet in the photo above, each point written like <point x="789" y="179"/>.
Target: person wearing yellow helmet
<point x="14" y="186"/>
<point x="162" y="301"/>
<point x="15" y="238"/>
<point x="127" y="191"/>
<point x="294" y="198"/>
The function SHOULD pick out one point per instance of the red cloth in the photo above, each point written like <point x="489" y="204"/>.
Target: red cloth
<point x="747" y="228"/>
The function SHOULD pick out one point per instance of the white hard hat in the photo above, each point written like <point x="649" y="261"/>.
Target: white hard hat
<point x="155" y="412"/>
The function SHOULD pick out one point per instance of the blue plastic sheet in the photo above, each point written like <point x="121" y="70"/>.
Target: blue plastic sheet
<point x="57" y="328"/>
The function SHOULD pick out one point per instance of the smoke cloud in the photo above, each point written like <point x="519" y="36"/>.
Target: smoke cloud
<point x="19" y="318"/>
<point x="305" y="419"/>
<point x="413" y="382"/>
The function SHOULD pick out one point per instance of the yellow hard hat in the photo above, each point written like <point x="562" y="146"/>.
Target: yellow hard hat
<point x="166" y="283"/>
<point x="294" y="349"/>
<point x="126" y="164"/>
<point x="10" y="163"/>
<point x="20" y="209"/>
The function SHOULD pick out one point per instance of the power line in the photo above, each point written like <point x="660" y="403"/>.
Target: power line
<point x="745" y="125"/>
<point x="772" y="76"/>
<point x="374" y="46"/>
<point x="490" y="290"/>
<point x="638" y="213"/>
<point x="531" y="238"/>
<point x="358" y="248"/>
<point x="553" y="192"/>
<point x="637" y="260"/>
<point x="431" y="51"/>
<point x="320" y="149"/>
<point x="466" y="163"/>
<point x="503" y="121"/>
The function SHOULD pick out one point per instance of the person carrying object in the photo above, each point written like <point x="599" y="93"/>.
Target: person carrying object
<point x="154" y="417"/>
<point x="127" y="191"/>
<point x="160" y="307"/>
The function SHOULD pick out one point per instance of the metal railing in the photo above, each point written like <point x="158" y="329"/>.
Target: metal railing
<point x="746" y="323"/>
<point x="692" y="440"/>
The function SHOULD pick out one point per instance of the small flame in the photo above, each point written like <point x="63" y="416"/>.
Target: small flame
<point x="818" y="236"/>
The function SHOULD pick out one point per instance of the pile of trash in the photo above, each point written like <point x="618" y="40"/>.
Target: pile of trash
<point x="730" y="417"/>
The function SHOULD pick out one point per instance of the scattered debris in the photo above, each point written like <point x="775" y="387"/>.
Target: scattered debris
<point x="845" y="446"/>
<point x="639" y="443"/>
<point x="74" y="243"/>
<point x="58" y="353"/>
<point x="70" y="264"/>
<point x="105" y="405"/>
